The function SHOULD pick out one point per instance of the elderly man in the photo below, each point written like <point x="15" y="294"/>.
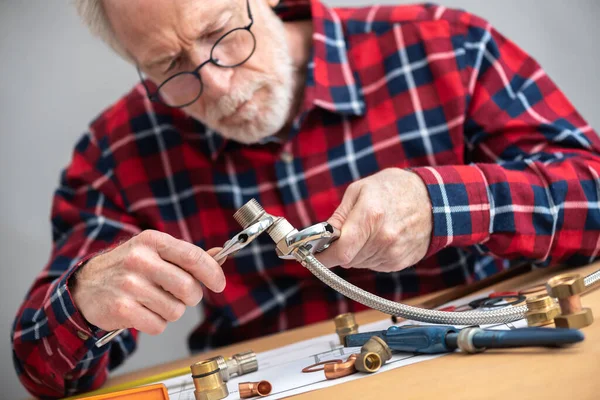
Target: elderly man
<point x="428" y="138"/>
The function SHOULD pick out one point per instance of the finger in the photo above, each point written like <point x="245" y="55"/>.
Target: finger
<point x="192" y="259"/>
<point x="161" y="302"/>
<point x="354" y="235"/>
<point x="172" y="279"/>
<point x="139" y="317"/>
<point x="351" y="195"/>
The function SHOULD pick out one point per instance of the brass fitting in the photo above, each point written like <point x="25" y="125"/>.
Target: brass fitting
<point x="345" y="325"/>
<point x="239" y="364"/>
<point x="207" y="381"/>
<point x="373" y="354"/>
<point x="340" y="369"/>
<point x="251" y="389"/>
<point x="368" y="361"/>
<point x="567" y="289"/>
<point x="541" y="310"/>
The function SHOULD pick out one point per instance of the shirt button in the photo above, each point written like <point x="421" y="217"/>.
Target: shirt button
<point x="82" y="335"/>
<point x="287" y="157"/>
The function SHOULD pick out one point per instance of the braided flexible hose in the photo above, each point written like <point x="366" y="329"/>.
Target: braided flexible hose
<point x="359" y="295"/>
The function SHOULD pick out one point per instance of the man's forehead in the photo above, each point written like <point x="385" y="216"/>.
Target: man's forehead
<point x="141" y="24"/>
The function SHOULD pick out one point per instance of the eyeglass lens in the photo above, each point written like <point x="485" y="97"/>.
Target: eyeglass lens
<point x="230" y="51"/>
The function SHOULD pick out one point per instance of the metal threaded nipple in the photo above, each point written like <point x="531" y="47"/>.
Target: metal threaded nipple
<point x="248" y="213"/>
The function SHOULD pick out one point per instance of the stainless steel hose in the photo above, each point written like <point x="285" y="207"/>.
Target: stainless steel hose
<point x="503" y="315"/>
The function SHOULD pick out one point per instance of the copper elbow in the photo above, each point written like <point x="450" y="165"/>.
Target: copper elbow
<point x="251" y="389"/>
<point x="337" y="370"/>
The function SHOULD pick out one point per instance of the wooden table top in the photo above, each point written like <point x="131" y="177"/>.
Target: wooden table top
<point x="509" y="373"/>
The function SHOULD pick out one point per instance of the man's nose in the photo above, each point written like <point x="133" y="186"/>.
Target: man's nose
<point x="216" y="80"/>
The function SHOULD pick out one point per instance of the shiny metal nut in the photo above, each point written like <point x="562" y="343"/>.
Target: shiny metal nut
<point x="541" y="310"/>
<point x="576" y="320"/>
<point x="565" y="285"/>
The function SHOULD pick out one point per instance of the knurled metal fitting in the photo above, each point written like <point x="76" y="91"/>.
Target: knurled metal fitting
<point x="567" y="289"/>
<point x="239" y="364"/>
<point x="541" y="310"/>
<point x="207" y="381"/>
<point x="345" y="324"/>
<point x="249" y="213"/>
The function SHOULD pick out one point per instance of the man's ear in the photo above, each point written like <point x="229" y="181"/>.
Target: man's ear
<point x="273" y="3"/>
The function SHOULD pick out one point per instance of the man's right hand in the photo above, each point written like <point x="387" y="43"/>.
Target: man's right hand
<point x="145" y="282"/>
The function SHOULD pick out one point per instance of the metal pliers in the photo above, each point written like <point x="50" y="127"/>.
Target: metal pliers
<point x="245" y="237"/>
<point x="232" y="246"/>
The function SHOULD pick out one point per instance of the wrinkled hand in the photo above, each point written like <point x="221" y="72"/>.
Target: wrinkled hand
<point x="145" y="282"/>
<point x="385" y="222"/>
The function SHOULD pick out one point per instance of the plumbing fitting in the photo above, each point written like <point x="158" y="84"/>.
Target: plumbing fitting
<point x="207" y="381"/>
<point x="302" y="246"/>
<point x="345" y="325"/>
<point x="367" y="361"/>
<point x="251" y="389"/>
<point x="567" y="289"/>
<point x="373" y="354"/>
<point x="239" y="364"/>
<point x="541" y="310"/>
<point x="340" y="369"/>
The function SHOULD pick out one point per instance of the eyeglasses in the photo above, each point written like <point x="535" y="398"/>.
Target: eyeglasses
<point x="231" y="50"/>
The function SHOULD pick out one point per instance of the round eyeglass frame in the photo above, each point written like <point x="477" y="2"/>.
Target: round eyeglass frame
<point x="196" y="71"/>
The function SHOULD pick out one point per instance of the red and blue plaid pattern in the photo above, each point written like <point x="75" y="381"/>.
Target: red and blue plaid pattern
<point x="511" y="168"/>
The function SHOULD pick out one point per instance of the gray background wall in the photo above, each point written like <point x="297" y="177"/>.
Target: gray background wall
<point x="54" y="77"/>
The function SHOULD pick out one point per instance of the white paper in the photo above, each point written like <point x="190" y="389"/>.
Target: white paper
<point x="282" y="367"/>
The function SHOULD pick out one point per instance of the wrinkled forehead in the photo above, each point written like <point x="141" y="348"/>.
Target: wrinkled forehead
<point x="145" y="27"/>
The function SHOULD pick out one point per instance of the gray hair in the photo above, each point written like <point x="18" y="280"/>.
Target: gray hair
<point x="94" y="16"/>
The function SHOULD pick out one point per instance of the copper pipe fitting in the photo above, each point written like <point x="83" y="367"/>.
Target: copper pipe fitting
<point x="567" y="288"/>
<point x="207" y="381"/>
<point x="345" y="325"/>
<point x="337" y="370"/>
<point x="251" y="389"/>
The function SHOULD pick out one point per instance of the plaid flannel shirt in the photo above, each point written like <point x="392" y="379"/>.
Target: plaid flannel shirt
<point x="511" y="168"/>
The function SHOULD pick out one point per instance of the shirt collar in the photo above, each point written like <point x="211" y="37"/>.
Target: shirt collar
<point x="331" y="84"/>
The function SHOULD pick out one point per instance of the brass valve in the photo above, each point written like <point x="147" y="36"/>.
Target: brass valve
<point x="541" y="310"/>
<point x="373" y="354"/>
<point x="567" y="289"/>
<point x="207" y="381"/>
<point x="239" y="364"/>
<point x="345" y="325"/>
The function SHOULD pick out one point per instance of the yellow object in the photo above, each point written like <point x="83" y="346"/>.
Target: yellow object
<point x="207" y="381"/>
<point x="150" y="392"/>
<point x="135" y="383"/>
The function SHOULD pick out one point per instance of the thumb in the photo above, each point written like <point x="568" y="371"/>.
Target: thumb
<point x="341" y="213"/>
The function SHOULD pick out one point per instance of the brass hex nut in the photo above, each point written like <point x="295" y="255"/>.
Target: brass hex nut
<point x="542" y="317"/>
<point x="576" y="320"/>
<point x="541" y="310"/>
<point x="565" y="285"/>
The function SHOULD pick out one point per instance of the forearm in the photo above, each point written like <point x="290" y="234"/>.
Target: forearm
<point x="545" y="212"/>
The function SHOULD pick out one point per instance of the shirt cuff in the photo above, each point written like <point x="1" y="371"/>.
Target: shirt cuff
<point x="460" y="205"/>
<point x="72" y="336"/>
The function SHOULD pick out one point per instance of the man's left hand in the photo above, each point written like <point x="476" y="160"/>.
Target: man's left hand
<point x="385" y="222"/>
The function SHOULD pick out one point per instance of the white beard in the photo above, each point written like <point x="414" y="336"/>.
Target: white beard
<point x="260" y="119"/>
